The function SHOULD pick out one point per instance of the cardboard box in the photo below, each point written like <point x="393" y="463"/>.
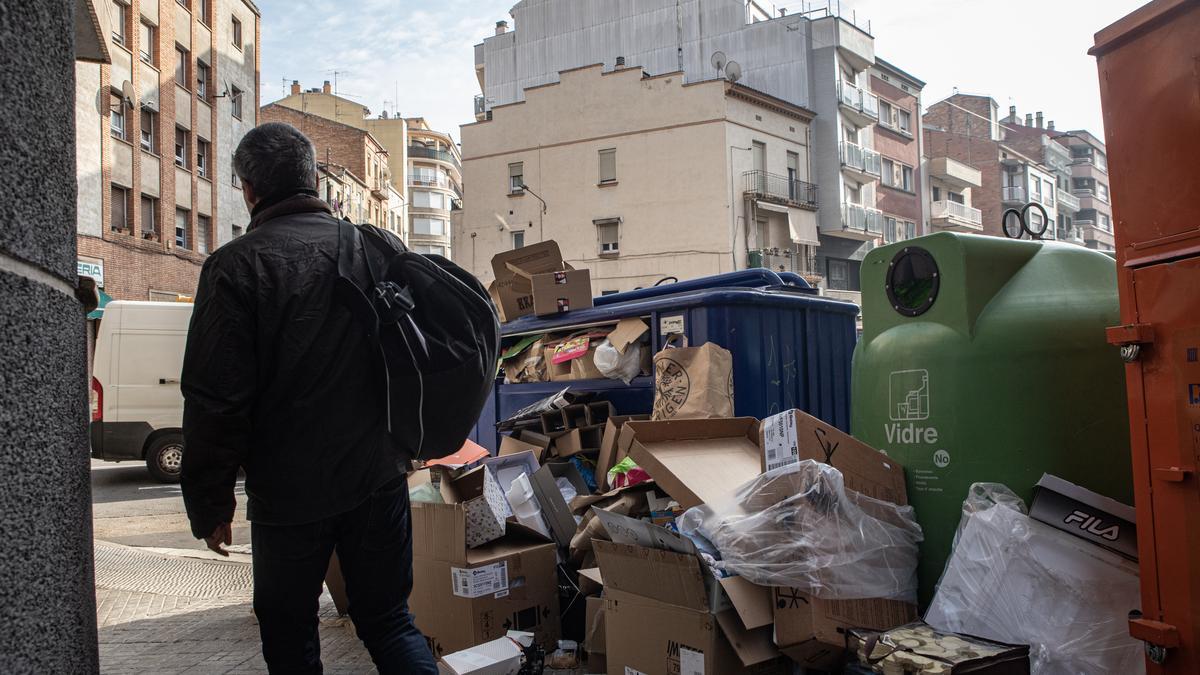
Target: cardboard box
<point x="513" y="291"/>
<point x="627" y="332"/>
<point x="609" y="447"/>
<point x="506" y="468"/>
<point x="498" y="657"/>
<point x="555" y="510"/>
<point x="560" y="291"/>
<point x="696" y="461"/>
<point x="812" y="631"/>
<point x="514" y="445"/>
<point x="1085" y="514"/>
<point x="464" y="597"/>
<point x="593" y="631"/>
<point x="581" y="439"/>
<point x="484" y="506"/>
<point x="794" y="435"/>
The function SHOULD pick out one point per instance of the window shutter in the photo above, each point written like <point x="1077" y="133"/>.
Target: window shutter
<point x="608" y="165"/>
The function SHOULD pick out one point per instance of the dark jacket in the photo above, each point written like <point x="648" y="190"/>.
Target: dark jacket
<point x="280" y="380"/>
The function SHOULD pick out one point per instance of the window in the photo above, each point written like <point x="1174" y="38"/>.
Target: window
<point x="148" y="43"/>
<point x="182" y="60"/>
<point x="904" y="121"/>
<point x="1105" y="222"/>
<point x="608" y="166"/>
<point x="181" y="228"/>
<point x="897" y="175"/>
<point x="889" y="230"/>
<point x="203" y="227"/>
<point x="910" y="229"/>
<point x="149" y="218"/>
<point x="120" y="208"/>
<point x="842" y="274"/>
<point x="149" y="130"/>
<point x="956" y="197"/>
<point x="181" y="147"/>
<point x="202" y="11"/>
<point x="609" y="234"/>
<point x="119" y="18"/>
<point x="236" y="95"/>
<point x="429" y="250"/>
<point x="886" y="113"/>
<point x="516" y="177"/>
<point x="203" y="148"/>
<point x="429" y="226"/>
<point x="202" y="77"/>
<point x="936" y="193"/>
<point x="428" y="200"/>
<point x="116" y="121"/>
<point x="518" y="240"/>
<point x="906" y="178"/>
<point x="889" y="172"/>
<point x="185" y="3"/>
<point x="1102" y="191"/>
<point x="236" y="32"/>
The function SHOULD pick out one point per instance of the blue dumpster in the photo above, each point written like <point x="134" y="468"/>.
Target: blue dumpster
<point x="791" y="348"/>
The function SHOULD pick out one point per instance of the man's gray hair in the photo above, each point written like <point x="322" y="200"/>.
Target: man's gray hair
<point x="277" y="160"/>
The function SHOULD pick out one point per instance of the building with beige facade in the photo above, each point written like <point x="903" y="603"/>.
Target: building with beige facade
<point x="1089" y="186"/>
<point x="640" y="177"/>
<point x="424" y="164"/>
<point x="156" y="130"/>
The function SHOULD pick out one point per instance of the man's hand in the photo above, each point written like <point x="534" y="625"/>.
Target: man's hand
<point x="222" y="535"/>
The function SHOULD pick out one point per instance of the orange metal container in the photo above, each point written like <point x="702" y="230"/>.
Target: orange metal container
<point x="1149" y="66"/>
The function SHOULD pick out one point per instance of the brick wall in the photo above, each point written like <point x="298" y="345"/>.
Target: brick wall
<point x="900" y="148"/>
<point x="133" y="267"/>
<point x="335" y="142"/>
<point x="983" y="154"/>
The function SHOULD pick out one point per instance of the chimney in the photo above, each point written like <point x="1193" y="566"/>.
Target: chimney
<point x="1012" y="113"/>
<point x="326" y="89"/>
<point x="1028" y="119"/>
<point x="1050" y="125"/>
<point x="620" y="61"/>
<point x="295" y="87"/>
<point x="501" y="27"/>
<point x="1039" y="119"/>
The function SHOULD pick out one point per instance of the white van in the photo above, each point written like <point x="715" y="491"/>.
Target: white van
<point x="137" y="408"/>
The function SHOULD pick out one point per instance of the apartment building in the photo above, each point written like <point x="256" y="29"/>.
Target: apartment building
<point x="897" y="138"/>
<point x="817" y="61"/>
<point x="1017" y="164"/>
<point x="639" y="177"/>
<point x="1089" y="185"/>
<point x="425" y="165"/>
<point x="156" y="129"/>
<point x="357" y="155"/>
<point x="1036" y="137"/>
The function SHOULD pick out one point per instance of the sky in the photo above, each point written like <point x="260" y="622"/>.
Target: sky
<point x="420" y="53"/>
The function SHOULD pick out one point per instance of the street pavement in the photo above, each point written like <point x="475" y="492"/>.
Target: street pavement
<point x="165" y="604"/>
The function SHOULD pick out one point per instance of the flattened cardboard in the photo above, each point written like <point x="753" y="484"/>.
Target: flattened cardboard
<point x="1079" y="511"/>
<point x="754" y="604"/>
<point x="609" y="450"/>
<point x="514" y="292"/>
<point x="627" y="332"/>
<point x="666" y="576"/>
<point x="752" y="646"/>
<point x="584" y="367"/>
<point x="622" y="529"/>
<point x="511" y="445"/>
<point x="794" y="435"/>
<point x="811" y="631"/>
<point x="696" y="461"/>
<point x="469" y="454"/>
<point x="591" y="582"/>
<point x="555" y="510"/>
<point x="561" y="291"/>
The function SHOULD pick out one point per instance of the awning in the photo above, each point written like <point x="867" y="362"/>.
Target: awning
<point x="803" y="227"/>
<point x="98" y="313"/>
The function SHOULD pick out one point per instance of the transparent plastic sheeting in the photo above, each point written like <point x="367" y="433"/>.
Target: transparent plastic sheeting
<point x="798" y="526"/>
<point x="617" y="366"/>
<point x="1013" y="579"/>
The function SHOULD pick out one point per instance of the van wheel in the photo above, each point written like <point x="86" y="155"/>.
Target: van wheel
<point x="164" y="459"/>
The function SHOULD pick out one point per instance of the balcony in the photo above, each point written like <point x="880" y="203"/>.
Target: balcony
<point x="422" y="152"/>
<point x="1067" y="201"/>
<point x="428" y="181"/>
<point x="956" y="217"/>
<point x="480" y="108"/>
<point x="954" y="173"/>
<point x="1073" y="235"/>
<point x="1013" y="194"/>
<point x="860" y="222"/>
<point x="780" y="189"/>
<point x="860" y="107"/>
<point x="861" y="163"/>
<point x="780" y="260"/>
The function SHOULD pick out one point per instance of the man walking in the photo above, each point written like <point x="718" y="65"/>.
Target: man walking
<point x="278" y="379"/>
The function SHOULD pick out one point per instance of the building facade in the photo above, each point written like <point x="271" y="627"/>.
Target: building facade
<point x="357" y="156"/>
<point x="156" y="129"/>
<point x="818" y="61"/>
<point x="641" y="177"/>
<point x="1089" y="185"/>
<point x="424" y="165"/>
<point x="1037" y="138"/>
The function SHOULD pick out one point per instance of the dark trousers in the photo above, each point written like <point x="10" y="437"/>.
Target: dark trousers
<point x="374" y="547"/>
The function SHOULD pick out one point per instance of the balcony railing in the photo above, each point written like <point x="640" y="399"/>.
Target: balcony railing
<point x="480" y="105"/>
<point x="859" y="218"/>
<point x="949" y="209"/>
<point x="780" y="260"/>
<point x="1068" y="200"/>
<point x="433" y="153"/>
<point x="1012" y="193"/>
<point x="424" y="181"/>
<point x="862" y="102"/>
<point x="861" y="159"/>
<point x="776" y="188"/>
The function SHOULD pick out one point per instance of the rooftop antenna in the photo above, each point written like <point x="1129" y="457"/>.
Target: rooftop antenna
<point x="718" y="61"/>
<point x="733" y="71"/>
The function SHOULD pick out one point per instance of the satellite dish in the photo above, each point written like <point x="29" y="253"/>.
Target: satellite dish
<point x="127" y="93"/>
<point x="719" y="60"/>
<point x="733" y="71"/>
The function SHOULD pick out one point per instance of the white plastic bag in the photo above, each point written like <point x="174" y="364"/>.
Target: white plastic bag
<point x="1013" y="579"/>
<point x="798" y="526"/>
<point x="617" y="366"/>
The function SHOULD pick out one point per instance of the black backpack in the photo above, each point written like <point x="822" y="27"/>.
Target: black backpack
<point x="436" y="330"/>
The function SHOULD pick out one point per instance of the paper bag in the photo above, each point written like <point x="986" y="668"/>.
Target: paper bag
<point x="693" y="382"/>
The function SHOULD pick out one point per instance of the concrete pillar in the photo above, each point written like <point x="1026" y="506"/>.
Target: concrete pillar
<point x="47" y="592"/>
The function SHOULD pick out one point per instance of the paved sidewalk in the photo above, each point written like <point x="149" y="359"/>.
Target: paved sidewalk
<point x="164" y="613"/>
